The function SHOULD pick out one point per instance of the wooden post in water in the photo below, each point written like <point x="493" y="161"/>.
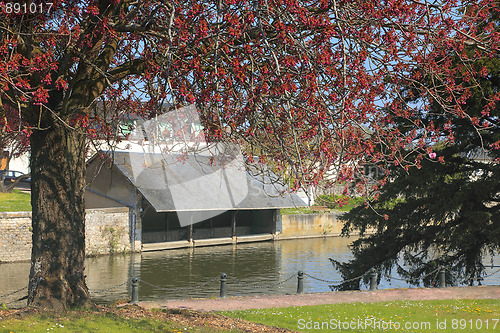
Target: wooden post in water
<point x="190" y="233"/>
<point x="233" y="224"/>
<point x="166" y="226"/>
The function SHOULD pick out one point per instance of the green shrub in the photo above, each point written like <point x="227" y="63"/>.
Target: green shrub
<point x="339" y="202"/>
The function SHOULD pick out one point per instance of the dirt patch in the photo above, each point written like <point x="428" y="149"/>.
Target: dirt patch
<point x="191" y="318"/>
<point x="185" y="318"/>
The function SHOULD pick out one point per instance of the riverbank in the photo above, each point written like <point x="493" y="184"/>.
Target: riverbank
<point x="281" y="301"/>
<point x="432" y="307"/>
<point x="477" y="307"/>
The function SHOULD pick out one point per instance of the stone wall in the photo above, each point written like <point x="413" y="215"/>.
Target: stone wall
<point x="107" y="231"/>
<point x="15" y="236"/>
<point x="310" y="225"/>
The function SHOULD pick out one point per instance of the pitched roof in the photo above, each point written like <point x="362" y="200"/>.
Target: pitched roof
<point x="176" y="182"/>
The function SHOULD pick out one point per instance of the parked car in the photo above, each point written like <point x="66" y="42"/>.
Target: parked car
<point x="11" y="176"/>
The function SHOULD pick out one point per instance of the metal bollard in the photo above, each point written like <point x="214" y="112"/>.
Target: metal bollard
<point x="135" y="290"/>
<point x="373" y="280"/>
<point x="300" y="282"/>
<point x="442" y="278"/>
<point x="223" y="285"/>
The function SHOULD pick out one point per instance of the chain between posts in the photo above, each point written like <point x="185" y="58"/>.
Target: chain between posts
<point x="341" y="281"/>
<point x="498" y="270"/>
<point x="108" y="289"/>
<point x="335" y="281"/>
<point x="170" y="288"/>
<point x="436" y="276"/>
<point x="237" y="281"/>
<point x="411" y="279"/>
<point x="286" y="280"/>
<point x="13" y="293"/>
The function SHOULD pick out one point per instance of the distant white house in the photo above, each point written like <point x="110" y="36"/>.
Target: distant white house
<point x="20" y="163"/>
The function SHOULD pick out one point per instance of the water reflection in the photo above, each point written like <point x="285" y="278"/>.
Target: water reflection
<point x="106" y="272"/>
<point x="252" y="268"/>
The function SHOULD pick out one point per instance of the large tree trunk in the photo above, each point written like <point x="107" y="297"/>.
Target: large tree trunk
<point x="57" y="280"/>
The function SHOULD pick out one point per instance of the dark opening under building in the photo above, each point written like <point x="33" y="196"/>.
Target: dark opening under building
<point x="182" y="200"/>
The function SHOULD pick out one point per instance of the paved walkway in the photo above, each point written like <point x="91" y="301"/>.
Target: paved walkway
<point x="271" y="301"/>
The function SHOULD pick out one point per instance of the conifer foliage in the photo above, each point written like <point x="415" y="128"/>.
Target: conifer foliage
<point x="445" y="214"/>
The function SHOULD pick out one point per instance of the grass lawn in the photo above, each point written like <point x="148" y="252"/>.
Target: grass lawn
<point x="401" y="316"/>
<point x="115" y="321"/>
<point x="330" y="202"/>
<point x="85" y="323"/>
<point x="16" y="201"/>
<point x="298" y="210"/>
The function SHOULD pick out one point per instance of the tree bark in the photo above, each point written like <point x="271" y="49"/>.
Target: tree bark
<point x="57" y="280"/>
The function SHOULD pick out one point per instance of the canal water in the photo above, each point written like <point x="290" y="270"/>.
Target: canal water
<point x="252" y="268"/>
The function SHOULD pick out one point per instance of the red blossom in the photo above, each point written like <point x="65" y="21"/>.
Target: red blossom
<point x="40" y="96"/>
<point x="312" y="87"/>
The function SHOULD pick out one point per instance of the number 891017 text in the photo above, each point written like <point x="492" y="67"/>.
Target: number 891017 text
<point x="25" y="8"/>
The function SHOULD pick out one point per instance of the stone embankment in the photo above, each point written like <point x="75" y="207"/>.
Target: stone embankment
<point x="107" y="231"/>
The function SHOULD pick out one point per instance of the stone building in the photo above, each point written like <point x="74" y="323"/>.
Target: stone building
<point x="184" y="200"/>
